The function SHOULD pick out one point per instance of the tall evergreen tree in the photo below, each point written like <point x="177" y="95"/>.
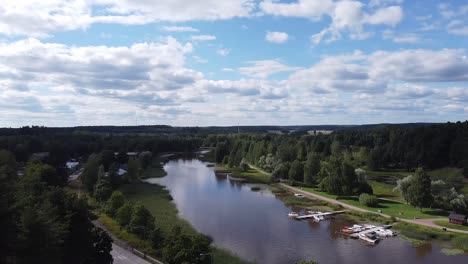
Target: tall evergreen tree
<point x="420" y="190"/>
<point x="311" y="168"/>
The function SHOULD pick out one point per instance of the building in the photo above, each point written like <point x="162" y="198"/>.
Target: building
<point x="457" y="219"/>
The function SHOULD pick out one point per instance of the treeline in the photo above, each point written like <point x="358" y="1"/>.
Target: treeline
<point x="62" y="147"/>
<point x="389" y="147"/>
<point x="41" y="223"/>
<point x="393" y="146"/>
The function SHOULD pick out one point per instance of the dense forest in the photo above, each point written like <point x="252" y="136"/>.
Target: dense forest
<point x="337" y="162"/>
<point x="46" y="223"/>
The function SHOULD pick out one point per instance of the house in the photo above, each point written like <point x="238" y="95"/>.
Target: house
<point x="458" y="219"/>
<point x="72" y="166"/>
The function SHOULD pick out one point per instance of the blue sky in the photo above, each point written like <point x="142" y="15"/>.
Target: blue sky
<point x="209" y="62"/>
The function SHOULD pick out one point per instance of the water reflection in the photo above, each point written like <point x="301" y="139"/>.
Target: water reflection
<point x="254" y="224"/>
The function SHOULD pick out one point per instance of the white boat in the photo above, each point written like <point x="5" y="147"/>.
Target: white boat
<point x="384" y="233"/>
<point x="299" y="195"/>
<point x="293" y="214"/>
<point x="369" y="237"/>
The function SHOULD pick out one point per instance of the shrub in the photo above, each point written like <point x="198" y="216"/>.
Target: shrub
<point x="368" y="200"/>
<point x="461" y="243"/>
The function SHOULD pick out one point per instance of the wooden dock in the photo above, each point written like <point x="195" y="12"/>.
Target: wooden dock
<point x="317" y="215"/>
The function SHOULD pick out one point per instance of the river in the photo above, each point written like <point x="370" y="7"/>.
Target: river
<point x="255" y="226"/>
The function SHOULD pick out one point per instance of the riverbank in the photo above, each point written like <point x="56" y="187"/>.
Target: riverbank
<point x="251" y="175"/>
<point x="159" y="202"/>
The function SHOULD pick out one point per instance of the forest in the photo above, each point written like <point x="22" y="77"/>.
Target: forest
<point x="337" y="163"/>
<point x="42" y="218"/>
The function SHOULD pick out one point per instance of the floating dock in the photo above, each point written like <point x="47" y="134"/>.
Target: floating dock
<point x="318" y="216"/>
<point x="369" y="233"/>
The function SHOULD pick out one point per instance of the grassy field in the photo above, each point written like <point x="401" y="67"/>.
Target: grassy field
<point x="449" y="225"/>
<point x="253" y="175"/>
<point x="250" y="176"/>
<point x="386" y="207"/>
<point x="384" y="190"/>
<point x="155" y="170"/>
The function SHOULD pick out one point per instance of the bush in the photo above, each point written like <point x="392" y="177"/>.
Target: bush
<point x="368" y="200"/>
<point x="461" y="243"/>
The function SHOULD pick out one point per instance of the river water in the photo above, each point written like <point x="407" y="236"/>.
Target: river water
<point x="255" y="226"/>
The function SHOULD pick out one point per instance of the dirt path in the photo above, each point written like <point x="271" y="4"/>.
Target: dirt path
<point x="423" y="222"/>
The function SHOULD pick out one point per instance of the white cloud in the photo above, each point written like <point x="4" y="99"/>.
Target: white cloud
<point x="179" y="29"/>
<point x="377" y="3"/>
<point x="263" y="69"/>
<point x="276" y="37"/>
<point x="390" y="16"/>
<point x="223" y="52"/>
<point x="401" y="38"/>
<point x="203" y="37"/>
<point x="373" y="73"/>
<point x="38" y="18"/>
<point x="347" y="16"/>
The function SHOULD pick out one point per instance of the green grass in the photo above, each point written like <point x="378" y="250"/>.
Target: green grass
<point x="446" y="172"/>
<point x="445" y="223"/>
<point x="158" y="201"/>
<point x="253" y="175"/>
<point x="387" y="174"/>
<point x="387" y="207"/>
<point x="465" y="190"/>
<point x="384" y="190"/>
<point x="155" y="170"/>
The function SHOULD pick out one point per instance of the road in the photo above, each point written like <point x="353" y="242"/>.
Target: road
<point x="123" y="256"/>
<point x="424" y="222"/>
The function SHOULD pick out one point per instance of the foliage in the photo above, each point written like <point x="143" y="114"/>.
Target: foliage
<point x="368" y="200"/>
<point x="133" y="170"/>
<point x="90" y="172"/>
<point x="311" y="168"/>
<point x="420" y="190"/>
<point x="296" y="172"/>
<point x="182" y="248"/>
<point x="124" y="214"/>
<point x="142" y="222"/>
<point x="114" y="203"/>
<point x="103" y="188"/>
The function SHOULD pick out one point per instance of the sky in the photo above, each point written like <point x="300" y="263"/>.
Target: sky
<point x="230" y="62"/>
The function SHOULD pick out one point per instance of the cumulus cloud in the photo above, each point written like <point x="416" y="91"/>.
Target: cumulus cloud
<point x="276" y="37"/>
<point x="347" y="16"/>
<point x="136" y="73"/>
<point x="374" y="72"/>
<point x="38" y="18"/>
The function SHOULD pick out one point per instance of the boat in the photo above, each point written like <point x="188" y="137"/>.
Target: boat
<point x="385" y="233"/>
<point x="370" y="237"/>
<point x="299" y="195"/>
<point x="293" y="214"/>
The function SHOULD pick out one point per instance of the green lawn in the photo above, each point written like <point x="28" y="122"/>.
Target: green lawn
<point x="384" y="190"/>
<point x="445" y="223"/>
<point x="387" y="207"/>
<point x="253" y="175"/>
<point x="387" y="174"/>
